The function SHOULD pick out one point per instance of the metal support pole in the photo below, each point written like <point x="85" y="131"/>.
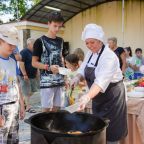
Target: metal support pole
<point x="123" y="21"/>
<point x="17" y="11"/>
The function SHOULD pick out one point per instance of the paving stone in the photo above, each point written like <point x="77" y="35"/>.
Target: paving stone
<point x="24" y="128"/>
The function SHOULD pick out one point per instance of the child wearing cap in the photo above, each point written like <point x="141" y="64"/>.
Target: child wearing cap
<point x="47" y="56"/>
<point x="9" y="90"/>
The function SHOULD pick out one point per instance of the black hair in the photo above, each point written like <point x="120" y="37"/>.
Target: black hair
<point x="129" y="50"/>
<point x="72" y="59"/>
<point x="138" y="50"/>
<point x="55" y="17"/>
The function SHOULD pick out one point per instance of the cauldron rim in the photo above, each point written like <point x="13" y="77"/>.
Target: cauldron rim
<point x="42" y="131"/>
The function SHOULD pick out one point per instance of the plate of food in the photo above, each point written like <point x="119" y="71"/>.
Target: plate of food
<point x="135" y="94"/>
<point x="63" y="70"/>
<point x="73" y="108"/>
<point x="139" y="89"/>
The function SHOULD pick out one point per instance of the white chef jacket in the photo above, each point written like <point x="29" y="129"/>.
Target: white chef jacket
<point x="108" y="68"/>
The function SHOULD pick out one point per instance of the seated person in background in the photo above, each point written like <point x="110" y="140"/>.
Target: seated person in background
<point x="136" y="62"/>
<point x="129" y="72"/>
<point x="119" y="51"/>
<point x="80" y="53"/>
<point x="72" y="63"/>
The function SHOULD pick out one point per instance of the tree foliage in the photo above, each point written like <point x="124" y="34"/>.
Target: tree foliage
<point x="35" y="1"/>
<point x="16" y="7"/>
<point x="1" y="22"/>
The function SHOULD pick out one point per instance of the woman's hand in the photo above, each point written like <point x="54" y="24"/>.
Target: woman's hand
<point x="84" y="101"/>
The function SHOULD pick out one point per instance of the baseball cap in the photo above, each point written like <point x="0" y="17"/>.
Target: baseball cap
<point x="9" y="34"/>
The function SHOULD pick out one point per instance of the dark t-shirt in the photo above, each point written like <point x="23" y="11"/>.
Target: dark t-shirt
<point x="49" y="52"/>
<point x="118" y="52"/>
<point x="27" y="59"/>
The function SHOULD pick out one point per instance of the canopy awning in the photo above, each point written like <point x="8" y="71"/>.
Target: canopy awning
<point x="69" y="8"/>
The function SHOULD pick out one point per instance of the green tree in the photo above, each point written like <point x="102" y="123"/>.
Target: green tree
<point x="3" y="7"/>
<point x="16" y="7"/>
<point x="35" y="1"/>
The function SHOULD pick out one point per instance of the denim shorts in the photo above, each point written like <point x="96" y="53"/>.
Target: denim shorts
<point x="28" y="87"/>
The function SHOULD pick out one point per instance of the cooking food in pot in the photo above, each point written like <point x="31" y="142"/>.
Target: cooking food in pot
<point x="74" y="132"/>
<point x="56" y="128"/>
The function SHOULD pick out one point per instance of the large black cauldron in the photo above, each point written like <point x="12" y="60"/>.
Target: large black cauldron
<point x="52" y="128"/>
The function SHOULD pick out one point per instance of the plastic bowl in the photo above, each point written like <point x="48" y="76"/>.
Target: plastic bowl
<point x="139" y="89"/>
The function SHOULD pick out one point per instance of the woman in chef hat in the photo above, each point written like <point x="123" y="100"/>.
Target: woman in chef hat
<point x="102" y="72"/>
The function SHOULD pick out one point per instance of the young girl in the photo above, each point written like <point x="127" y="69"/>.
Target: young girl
<point x="129" y="72"/>
<point x="9" y="90"/>
<point x="72" y="63"/>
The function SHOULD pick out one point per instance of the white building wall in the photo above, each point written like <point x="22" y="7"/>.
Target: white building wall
<point x="109" y="16"/>
<point x="36" y="34"/>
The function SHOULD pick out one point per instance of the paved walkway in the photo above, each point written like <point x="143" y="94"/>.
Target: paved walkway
<point x="24" y="131"/>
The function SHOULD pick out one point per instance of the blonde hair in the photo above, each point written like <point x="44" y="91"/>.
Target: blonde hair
<point x="80" y="53"/>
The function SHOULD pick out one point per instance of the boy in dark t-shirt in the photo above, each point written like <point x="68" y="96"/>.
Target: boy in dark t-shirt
<point x="47" y="56"/>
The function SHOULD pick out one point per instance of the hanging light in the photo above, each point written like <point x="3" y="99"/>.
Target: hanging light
<point x="52" y="8"/>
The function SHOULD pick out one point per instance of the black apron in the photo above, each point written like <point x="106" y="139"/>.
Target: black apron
<point x="111" y="104"/>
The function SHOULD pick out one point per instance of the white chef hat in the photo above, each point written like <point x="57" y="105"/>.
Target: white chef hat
<point x="93" y="31"/>
<point x="9" y="34"/>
